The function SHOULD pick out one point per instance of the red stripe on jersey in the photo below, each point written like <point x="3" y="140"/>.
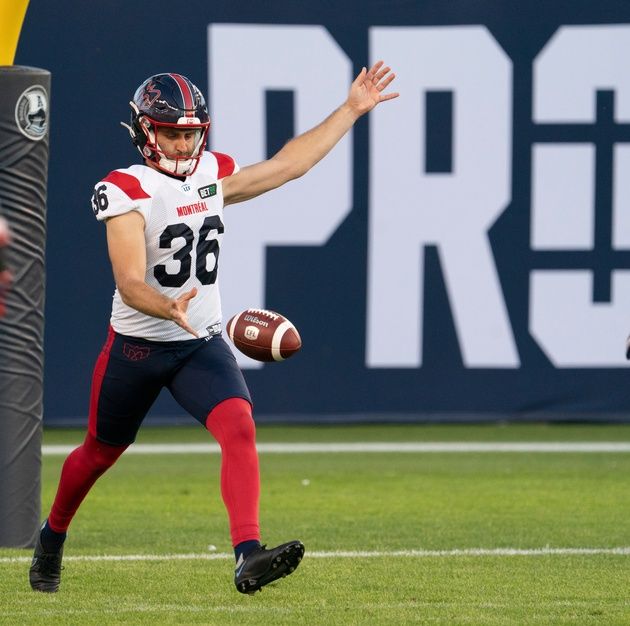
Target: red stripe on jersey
<point x="226" y="164"/>
<point x="186" y="93"/>
<point x="128" y="184"/>
<point x="97" y="380"/>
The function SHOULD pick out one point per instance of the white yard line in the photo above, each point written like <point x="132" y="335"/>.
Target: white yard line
<point x="352" y="554"/>
<point x="364" y="447"/>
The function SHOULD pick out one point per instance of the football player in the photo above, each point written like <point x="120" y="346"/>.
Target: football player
<point x="164" y="223"/>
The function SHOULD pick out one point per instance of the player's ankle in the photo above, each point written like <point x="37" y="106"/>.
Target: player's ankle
<point x="51" y="541"/>
<point x="245" y="548"/>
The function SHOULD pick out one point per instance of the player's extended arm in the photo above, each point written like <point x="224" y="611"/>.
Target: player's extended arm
<point x="301" y="153"/>
<point x="127" y="252"/>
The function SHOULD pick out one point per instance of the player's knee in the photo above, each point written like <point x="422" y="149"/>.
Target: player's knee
<point x="101" y="455"/>
<point x="243" y="428"/>
<point x="231" y="422"/>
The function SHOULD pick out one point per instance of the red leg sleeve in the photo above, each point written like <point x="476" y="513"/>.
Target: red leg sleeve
<point x="80" y="471"/>
<point x="232" y="425"/>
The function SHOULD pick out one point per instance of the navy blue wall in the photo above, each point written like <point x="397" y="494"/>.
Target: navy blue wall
<point x="99" y="52"/>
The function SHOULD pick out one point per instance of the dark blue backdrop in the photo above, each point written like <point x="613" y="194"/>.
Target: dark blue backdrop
<point x="99" y="52"/>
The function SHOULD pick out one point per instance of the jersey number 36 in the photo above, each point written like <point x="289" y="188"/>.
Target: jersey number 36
<point x="205" y="247"/>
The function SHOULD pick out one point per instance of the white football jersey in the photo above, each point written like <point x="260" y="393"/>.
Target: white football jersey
<point x="183" y="229"/>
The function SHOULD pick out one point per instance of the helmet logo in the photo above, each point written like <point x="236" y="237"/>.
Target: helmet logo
<point x="151" y="94"/>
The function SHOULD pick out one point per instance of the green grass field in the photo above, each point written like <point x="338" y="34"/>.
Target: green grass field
<point x="360" y="515"/>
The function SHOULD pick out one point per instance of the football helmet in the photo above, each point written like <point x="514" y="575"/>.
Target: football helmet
<point x="168" y="101"/>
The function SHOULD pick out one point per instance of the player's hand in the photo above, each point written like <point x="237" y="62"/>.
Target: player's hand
<point x="179" y="308"/>
<point x="367" y="89"/>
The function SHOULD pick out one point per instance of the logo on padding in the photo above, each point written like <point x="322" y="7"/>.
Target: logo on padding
<point x="31" y="113"/>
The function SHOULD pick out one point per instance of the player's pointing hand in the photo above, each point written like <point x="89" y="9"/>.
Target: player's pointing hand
<point x="179" y="308"/>
<point x="367" y="89"/>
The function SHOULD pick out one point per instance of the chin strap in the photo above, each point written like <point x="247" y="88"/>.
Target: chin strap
<point x="170" y="165"/>
<point x="132" y="132"/>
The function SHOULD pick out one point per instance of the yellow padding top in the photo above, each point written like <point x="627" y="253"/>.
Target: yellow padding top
<point x="12" y="14"/>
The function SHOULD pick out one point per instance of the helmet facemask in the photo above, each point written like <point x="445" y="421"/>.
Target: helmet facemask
<point x="184" y="165"/>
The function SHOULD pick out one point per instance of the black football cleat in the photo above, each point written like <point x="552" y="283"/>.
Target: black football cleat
<point x="263" y="566"/>
<point x="45" y="572"/>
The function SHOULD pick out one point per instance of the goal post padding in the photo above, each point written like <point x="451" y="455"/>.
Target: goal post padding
<point x="24" y="115"/>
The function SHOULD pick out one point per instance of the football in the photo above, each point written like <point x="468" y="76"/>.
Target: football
<point x="264" y="335"/>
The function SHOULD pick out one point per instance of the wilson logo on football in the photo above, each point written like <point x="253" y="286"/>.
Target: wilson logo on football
<point x="255" y="320"/>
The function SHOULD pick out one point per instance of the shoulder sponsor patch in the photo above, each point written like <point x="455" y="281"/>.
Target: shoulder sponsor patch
<point x="207" y="191"/>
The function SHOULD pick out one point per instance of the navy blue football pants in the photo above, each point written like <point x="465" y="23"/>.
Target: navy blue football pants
<point x="130" y="373"/>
